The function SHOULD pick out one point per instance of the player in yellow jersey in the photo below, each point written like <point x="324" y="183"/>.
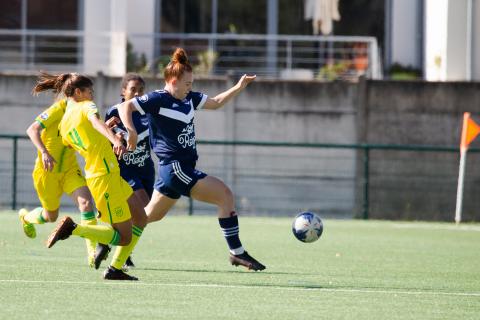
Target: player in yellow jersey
<point x="82" y="129"/>
<point x="56" y="171"/>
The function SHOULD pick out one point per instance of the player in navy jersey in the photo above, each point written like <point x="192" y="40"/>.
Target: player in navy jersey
<point x="172" y="136"/>
<point x="135" y="167"/>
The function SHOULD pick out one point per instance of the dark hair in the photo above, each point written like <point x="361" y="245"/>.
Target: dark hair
<point x="131" y="77"/>
<point x="178" y="65"/>
<point x="65" y="83"/>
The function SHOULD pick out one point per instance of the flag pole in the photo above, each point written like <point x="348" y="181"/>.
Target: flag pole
<point x="470" y="131"/>
<point x="461" y="176"/>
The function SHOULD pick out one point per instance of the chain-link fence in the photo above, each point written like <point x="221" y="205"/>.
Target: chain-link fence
<point x="268" y="178"/>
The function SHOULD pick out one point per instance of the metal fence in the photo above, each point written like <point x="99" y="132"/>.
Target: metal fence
<point x="284" y="56"/>
<point x="270" y="178"/>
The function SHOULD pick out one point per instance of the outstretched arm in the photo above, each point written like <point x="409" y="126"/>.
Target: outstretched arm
<point x="125" y="110"/>
<point x="221" y="99"/>
<point x="34" y="133"/>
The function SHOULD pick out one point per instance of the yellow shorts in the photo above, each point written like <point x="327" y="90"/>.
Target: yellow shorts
<point x="51" y="185"/>
<point x="110" y="193"/>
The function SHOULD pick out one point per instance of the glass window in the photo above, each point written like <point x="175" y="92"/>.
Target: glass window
<point x="53" y="14"/>
<point x="11" y="14"/>
<point x="361" y="18"/>
<point x="246" y="16"/>
<point x="190" y="16"/>
<point x="291" y="18"/>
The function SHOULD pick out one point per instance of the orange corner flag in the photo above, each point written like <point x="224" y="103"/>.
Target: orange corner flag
<point x="470" y="131"/>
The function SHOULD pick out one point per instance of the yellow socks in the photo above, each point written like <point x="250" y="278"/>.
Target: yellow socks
<point x="97" y="233"/>
<point x="121" y="253"/>
<point x="88" y="218"/>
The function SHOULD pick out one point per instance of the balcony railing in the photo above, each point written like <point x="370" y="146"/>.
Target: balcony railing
<point x="275" y="56"/>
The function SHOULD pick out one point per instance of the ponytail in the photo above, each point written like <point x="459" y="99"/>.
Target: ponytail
<point x="65" y="83"/>
<point x="178" y="65"/>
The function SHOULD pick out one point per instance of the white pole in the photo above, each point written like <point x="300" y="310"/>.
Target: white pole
<point x="461" y="175"/>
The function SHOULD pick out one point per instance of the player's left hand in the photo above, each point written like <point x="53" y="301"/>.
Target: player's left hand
<point x="245" y="80"/>
<point x="132" y="140"/>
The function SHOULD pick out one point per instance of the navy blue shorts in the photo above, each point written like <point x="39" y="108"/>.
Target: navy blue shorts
<point x="137" y="181"/>
<point x="175" y="179"/>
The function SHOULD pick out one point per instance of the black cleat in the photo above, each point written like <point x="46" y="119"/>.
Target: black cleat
<point x="129" y="263"/>
<point x="101" y="253"/>
<point x="114" y="274"/>
<point x="62" y="231"/>
<point x="247" y="261"/>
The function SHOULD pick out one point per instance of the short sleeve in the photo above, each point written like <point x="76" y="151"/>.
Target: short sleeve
<point x="148" y="103"/>
<point x="89" y="109"/>
<point x="52" y="115"/>
<point x="198" y="99"/>
<point x="112" y="112"/>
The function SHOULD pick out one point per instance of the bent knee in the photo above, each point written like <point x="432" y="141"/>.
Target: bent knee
<point x="50" y="216"/>
<point x="227" y="196"/>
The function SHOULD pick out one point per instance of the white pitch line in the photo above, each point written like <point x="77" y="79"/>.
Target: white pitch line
<point x="223" y="286"/>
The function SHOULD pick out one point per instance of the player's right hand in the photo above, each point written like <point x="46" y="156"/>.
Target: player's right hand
<point x="112" y="122"/>
<point x="118" y="148"/>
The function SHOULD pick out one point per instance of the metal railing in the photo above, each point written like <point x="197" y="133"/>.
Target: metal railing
<point x="276" y="178"/>
<point x="284" y="56"/>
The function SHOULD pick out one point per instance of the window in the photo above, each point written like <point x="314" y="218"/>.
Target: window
<point x="52" y="14"/>
<point x="11" y="14"/>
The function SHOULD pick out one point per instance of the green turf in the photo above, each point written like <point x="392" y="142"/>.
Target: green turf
<point x="357" y="270"/>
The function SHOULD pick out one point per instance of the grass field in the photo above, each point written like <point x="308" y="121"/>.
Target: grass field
<point x="357" y="270"/>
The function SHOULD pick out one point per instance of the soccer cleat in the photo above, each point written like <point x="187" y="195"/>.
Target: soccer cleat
<point x="247" y="261"/>
<point x="62" y="231"/>
<point x="129" y="263"/>
<point x="101" y="253"/>
<point x="114" y="274"/>
<point x="28" y="228"/>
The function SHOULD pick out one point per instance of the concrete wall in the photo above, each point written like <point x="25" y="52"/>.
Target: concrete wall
<point x="274" y="180"/>
<point x="412" y="184"/>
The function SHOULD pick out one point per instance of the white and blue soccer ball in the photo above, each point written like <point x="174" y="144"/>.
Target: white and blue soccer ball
<point x="307" y="227"/>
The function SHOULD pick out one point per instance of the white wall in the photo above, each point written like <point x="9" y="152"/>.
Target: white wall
<point x="457" y="68"/>
<point x="436" y="21"/>
<point x="105" y="25"/>
<point x="405" y="33"/>
<point x="447" y="48"/>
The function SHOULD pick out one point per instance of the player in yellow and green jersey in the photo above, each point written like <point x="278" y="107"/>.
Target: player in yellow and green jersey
<point x="56" y="171"/>
<point x="82" y="129"/>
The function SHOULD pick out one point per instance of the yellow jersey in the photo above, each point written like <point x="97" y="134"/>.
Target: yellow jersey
<point x="78" y="132"/>
<point x="49" y="120"/>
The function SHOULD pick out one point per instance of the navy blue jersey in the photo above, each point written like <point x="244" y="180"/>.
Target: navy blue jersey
<point x="172" y="132"/>
<point x="139" y="162"/>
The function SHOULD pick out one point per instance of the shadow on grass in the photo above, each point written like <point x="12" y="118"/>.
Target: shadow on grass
<point x="238" y="271"/>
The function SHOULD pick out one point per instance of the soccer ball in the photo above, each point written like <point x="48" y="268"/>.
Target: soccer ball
<point x="307" y="227"/>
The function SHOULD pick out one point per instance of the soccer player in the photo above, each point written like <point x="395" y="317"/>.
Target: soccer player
<point x="170" y="112"/>
<point x="56" y="171"/>
<point x="82" y="129"/>
<point x="135" y="167"/>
